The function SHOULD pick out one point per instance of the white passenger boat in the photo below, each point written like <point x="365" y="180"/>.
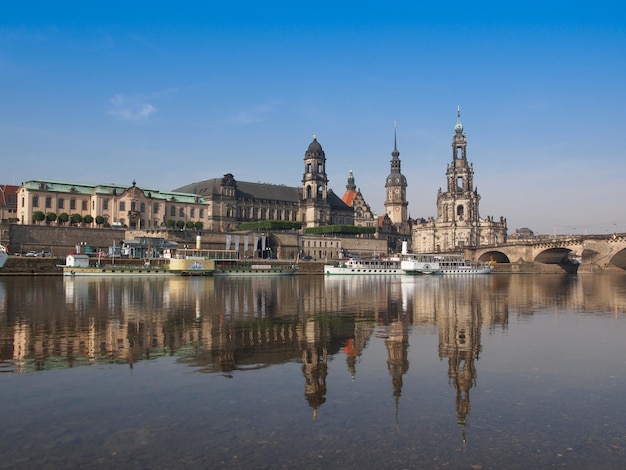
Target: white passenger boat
<point x="449" y="264"/>
<point x="4" y="256"/>
<point x="417" y="263"/>
<point x="363" y="267"/>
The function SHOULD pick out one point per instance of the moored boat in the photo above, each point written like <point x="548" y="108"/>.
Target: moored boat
<point x="448" y="264"/>
<point x="77" y="264"/>
<point x="258" y="267"/>
<point x="4" y="256"/>
<point x="196" y="262"/>
<point x="417" y="263"/>
<point x="357" y="266"/>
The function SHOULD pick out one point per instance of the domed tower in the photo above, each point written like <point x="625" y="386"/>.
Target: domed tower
<point x="315" y="186"/>
<point x="395" y="201"/>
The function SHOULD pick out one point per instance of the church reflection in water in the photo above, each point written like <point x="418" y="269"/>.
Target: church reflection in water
<point x="228" y="325"/>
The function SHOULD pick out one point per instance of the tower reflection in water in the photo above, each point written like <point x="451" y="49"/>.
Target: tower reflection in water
<point x="228" y="325"/>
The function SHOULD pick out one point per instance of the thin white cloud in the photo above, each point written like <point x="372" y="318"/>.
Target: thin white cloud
<point x="131" y="108"/>
<point x="252" y="115"/>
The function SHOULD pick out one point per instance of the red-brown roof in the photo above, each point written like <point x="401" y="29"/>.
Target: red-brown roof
<point x="349" y="196"/>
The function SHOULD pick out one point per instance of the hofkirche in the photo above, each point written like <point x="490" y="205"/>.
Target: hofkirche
<point x="222" y="204"/>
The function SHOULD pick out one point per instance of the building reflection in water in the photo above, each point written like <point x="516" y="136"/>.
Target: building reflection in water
<point x="223" y="325"/>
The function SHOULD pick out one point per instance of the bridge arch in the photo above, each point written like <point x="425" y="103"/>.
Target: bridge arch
<point x="556" y="255"/>
<point x="618" y="259"/>
<point x="494" y="255"/>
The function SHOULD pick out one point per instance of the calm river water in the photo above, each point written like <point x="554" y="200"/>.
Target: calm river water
<point x="500" y="371"/>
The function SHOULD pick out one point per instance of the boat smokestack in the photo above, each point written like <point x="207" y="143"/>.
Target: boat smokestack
<point x="405" y="248"/>
<point x="198" y="242"/>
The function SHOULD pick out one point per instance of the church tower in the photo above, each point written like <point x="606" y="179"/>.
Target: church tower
<point x="395" y="200"/>
<point x="458" y="224"/>
<point x="458" y="206"/>
<point x="315" y="186"/>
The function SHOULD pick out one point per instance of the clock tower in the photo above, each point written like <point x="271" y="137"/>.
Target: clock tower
<point x="395" y="188"/>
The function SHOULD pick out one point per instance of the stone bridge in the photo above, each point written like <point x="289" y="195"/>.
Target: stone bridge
<point x="595" y="252"/>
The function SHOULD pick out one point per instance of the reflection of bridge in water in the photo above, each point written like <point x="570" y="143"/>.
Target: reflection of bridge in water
<point x="594" y="252"/>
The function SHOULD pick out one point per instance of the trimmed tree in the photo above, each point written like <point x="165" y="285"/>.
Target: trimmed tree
<point x="63" y="218"/>
<point x="180" y="224"/>
<point x="100" y="220"/>
<point x="38" y="216"/>
<point x="76" y="219"/>
<point x="170" y="223"/>
<point x="199" y="225"/>
<point x="50" y="217"/>
<point x="88" y="219"/>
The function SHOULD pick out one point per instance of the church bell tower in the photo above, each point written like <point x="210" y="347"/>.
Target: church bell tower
<point x="315" y="186"/>
<point x="395" y="188"/>
<point x="459" y="204"/>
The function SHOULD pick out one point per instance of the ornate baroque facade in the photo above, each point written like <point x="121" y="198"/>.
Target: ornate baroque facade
<point x="132" y="207"/>
<point x="458" y="223"/>
<point x="231" y="202"/>
<point x="363" y="215"/>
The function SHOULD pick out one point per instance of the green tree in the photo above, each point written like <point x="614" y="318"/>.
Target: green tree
<point x="99" y="220"/>
<point x="38" y="216"/>
<point x="50" y="217"/>
<point x="190" y="224"/>
<point x="88" y="219"/>
<point x="180" y="224"/>
<point x="76" y="219"/>
<point x="170" y="223"/>
<point x="199" y="225"/>
<point x="63" y="218"/>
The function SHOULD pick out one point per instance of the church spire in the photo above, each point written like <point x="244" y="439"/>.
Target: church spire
<point x="395" y="154"/>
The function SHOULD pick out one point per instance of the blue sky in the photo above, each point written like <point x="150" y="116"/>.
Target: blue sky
<point x="169" y="93"/>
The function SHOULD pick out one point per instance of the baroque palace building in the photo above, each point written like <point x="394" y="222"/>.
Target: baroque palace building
<point x="458" y="223"/>
<point x="219" y="204"/>
<point x="109" y="204"/>
<point x="230" y="202"/>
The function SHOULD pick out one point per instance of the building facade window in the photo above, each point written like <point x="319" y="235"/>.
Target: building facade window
<point x="105" y="204"/>
<point x="173" y="211"/>
<point x="60" y="203"/>
<point x="122" y="206"/>
<point x="155" y="208"/>
<point x="73" y="204"/>
<point x="48" y="203"/>
<point x="142" y="207"/>
<point x="181" y="212"/>
<point x="35" y="201"/>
